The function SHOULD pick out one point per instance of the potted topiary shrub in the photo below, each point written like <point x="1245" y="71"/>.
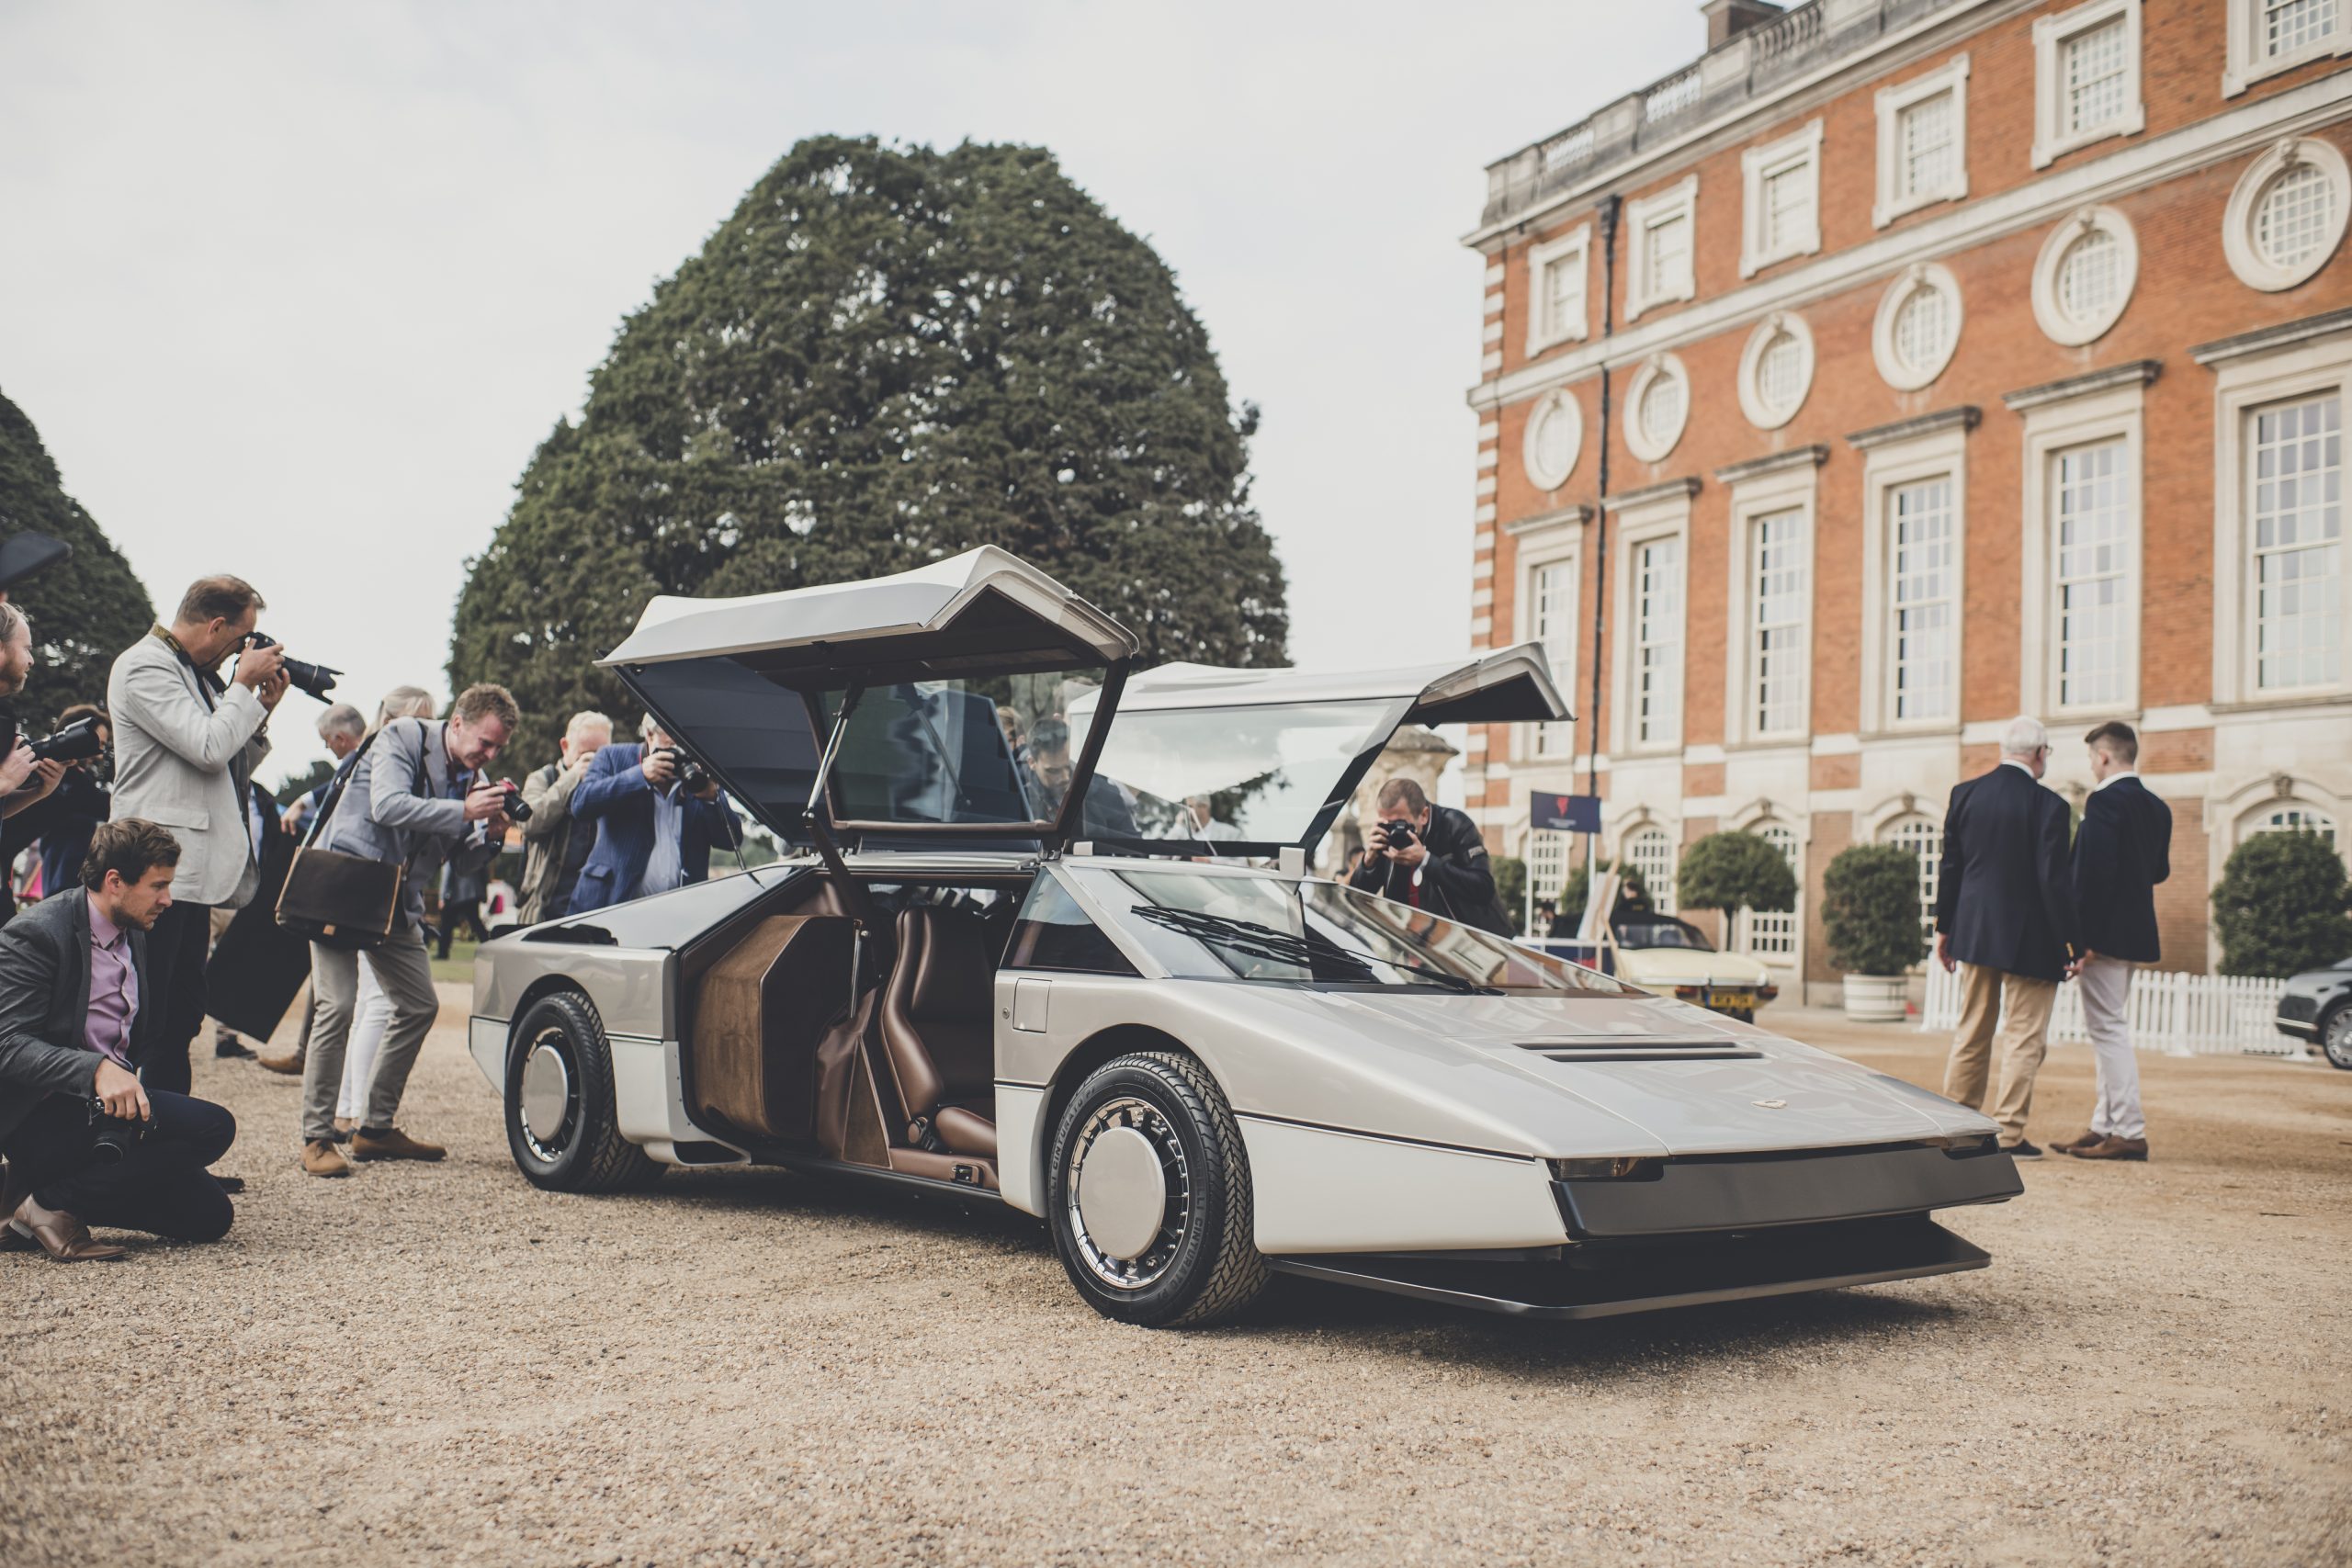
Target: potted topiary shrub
<point x="1869" y="912"/>
<point x="1734" y="871"/>
<point x="2278" y="908"/>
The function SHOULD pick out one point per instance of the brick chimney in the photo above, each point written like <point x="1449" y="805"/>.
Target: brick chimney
<point x="1728" y="18"/>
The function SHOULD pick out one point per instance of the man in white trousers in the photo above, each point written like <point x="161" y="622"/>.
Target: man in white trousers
<point x="2123" y="849"/>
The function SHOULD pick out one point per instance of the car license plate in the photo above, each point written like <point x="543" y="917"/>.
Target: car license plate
<point x="1722" y="1001"/>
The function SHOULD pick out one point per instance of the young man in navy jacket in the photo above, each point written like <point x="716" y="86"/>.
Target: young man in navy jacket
<point x="2123" y="849"/>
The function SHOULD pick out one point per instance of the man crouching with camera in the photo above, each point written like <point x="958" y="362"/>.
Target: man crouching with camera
<point x="86" y="1143"/>
<point x="1431" y="857"/>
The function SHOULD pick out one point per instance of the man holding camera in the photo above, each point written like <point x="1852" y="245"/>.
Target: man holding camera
<point x="555" y="848"/>
<point x="398" y="806"/>
<point x="1431" y="857"/>
<point x="656" y="814"/>
<point x="86" y="1144"/>
<point x="27" y="780"/>
<point x="186" y="747"/>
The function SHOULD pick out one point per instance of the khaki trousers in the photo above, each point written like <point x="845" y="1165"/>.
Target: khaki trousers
<point x="2022" y="1005"/>
<point x="405" y="974"/>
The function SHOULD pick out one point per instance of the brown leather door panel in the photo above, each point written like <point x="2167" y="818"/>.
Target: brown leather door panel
<point x="760" y="1016"/>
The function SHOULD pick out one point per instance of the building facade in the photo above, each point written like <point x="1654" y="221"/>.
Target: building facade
<point x="1903" y="366"/>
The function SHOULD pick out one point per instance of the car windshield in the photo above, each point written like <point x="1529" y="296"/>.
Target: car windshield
<point x="1247" y="774"/>
<point x="1262" y="927"/>
<point x="1660" y="930"/>
<point x="993" y="750"/>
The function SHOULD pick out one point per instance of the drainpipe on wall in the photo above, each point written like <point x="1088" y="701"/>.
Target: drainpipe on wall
<point x="1600" y="518"/>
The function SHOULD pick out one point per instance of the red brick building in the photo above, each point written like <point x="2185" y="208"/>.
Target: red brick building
<point x="1903" y="366"/>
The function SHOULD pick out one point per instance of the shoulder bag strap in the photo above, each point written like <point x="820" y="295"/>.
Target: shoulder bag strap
<point x="334" y="795"/>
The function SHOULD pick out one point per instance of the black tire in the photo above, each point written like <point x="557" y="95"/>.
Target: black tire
<point x="586" y="1153"/>
<point x="2335" y="1037"/>
<point x="1203" y="1263"/>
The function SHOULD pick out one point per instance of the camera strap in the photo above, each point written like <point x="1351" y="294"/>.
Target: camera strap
<point x="208" y="686"/>
<point x="334" y="794"/>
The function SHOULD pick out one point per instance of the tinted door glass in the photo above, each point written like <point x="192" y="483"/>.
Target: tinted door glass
<point x="1053" y="933"/>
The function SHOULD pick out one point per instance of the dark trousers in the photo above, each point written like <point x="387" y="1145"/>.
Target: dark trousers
<point x="176" y="950"/>
<point x="162" y="1187"/>
<point x="466" y="912"/>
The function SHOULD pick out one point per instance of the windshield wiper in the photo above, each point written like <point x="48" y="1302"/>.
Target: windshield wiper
<point x="1315" y="955"/>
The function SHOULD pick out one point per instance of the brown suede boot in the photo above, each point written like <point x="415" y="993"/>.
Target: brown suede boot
<point x="392" y="1144"/>
<point x="321" y="1157"/>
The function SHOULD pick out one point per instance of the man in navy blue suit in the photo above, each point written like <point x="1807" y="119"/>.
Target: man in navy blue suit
<point x="2123" y="849"/>
<point x="652" y="833"/>
<point x="2005" y="913"/>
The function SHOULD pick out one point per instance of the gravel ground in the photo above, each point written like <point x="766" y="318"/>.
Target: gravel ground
<point x="444" y="1364"/>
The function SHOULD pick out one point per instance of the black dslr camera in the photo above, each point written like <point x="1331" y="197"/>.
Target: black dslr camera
<point x="517" y="811"/>
<point x="693" y="777"/>
<point x="315" y="679"/>
<point x="113" y="1137"/>
<point x="1399" y="834"/>
<point x="77" y="742"/>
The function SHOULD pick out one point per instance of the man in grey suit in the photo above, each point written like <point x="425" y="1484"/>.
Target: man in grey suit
<point x="185" y="744"/>
<point x="399" y="805"/>
<point x="75" y="994"/>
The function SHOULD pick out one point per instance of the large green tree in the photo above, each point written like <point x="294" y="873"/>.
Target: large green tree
<point x="888" y="355"/>
<point x="85" y="609"/>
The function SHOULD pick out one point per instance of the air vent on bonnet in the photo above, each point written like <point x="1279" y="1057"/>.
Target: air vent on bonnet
<point x="1642" y="1048"/>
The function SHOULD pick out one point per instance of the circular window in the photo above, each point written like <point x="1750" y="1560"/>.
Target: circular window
<point x="2085" y="275"/>
<point x="1555" y="439"/>
<point x="1917" y="327"/>
<point x="1657" y="406"/>
<point x="1776" y="370"/>
<point x="2287" y="215"/>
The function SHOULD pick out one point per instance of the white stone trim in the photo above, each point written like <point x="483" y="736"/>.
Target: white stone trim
<point x="1485" y="515"/>
<point x="1492" y="331"/>
<point x="1490" y="362"/>
<point x="1544" y="478"/>
<point x="1573" y="249"/>
<point x="1939" y="453"/>
<point x="2049" y="310"/>
<point x="1486" y="484"/>
<point x="2188" y="715"/>
<point x="1557" y="544"/>
<point x="2237" y="219"/>
<point x="2247" y="65"/>
<point x="2050" y="35"/>
<point x="1654" y="447"/>
<point x="1894" y="201"/>
<point x="1835" y="745"/>
<point x="1495" y="274"/>
<point x="1679" y="198"/>
<point x="1488" y="457"/>
<point x="1663" y="517"/>
<point x="1761" y="415"/>
<point x="2114" y="414"/>
<point x="1897" y="372"/>
<point x="1796" y="489"/>
<point x="1801" y="150"/>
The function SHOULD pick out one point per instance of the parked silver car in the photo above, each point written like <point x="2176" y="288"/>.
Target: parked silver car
<point x="1046" y="939"/>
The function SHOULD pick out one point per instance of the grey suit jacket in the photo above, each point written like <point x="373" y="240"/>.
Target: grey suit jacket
<point x="45" y="1005"/>
<point x="397" y="808"/>
<point x="182" y="763"/>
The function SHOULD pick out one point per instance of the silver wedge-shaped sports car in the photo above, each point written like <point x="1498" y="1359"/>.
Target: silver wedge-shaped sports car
<point x="1046" y="938"/>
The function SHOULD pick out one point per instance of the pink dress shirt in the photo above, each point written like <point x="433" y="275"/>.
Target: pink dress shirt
<point x="114" y="989"/>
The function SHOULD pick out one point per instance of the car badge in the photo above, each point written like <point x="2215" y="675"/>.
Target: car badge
<point x="1771" y="1105"/>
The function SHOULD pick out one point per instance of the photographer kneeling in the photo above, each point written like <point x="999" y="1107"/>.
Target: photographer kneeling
<point x="86" y="1143"/>
<point x="1431" y="857"/>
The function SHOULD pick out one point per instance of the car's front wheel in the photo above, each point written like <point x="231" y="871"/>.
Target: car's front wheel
<point x="561" y="1122"/>
<point x="2336" y="1036"/>
<point x="1150" y="1203"/>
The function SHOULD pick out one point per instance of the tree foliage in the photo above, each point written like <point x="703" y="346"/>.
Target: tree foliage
<point x="885" y="356"/>
<point x="86" y="608"/>
<point x="1735" y="871"/>
<point x="1870" y="910"/>
<point x="1575" y="890"/>
<point x="2280" y="907"/>
<point x="1510" y="890"/>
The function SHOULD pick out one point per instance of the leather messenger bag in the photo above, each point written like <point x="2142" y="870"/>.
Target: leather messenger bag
<point x="335" y="899"/>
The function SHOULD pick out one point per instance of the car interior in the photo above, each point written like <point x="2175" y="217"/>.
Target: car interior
<point x="809" y="1038"/>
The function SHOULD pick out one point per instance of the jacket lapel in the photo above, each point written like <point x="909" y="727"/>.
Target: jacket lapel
<point x="76" y="960"/>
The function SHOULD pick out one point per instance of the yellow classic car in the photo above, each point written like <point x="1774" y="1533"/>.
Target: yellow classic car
<point x="1672" y="958"/>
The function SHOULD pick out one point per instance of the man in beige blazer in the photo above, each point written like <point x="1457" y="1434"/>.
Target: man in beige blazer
<point x="186" y="745"/>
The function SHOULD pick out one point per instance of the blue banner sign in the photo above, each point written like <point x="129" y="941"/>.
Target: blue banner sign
<point x="1548" y="813"/>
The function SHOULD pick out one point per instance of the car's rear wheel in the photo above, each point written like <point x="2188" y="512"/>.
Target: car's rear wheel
<point x="1150" y="1201"/>
<point x="2336" y="1036"/>
<point x="561" y="1122"/>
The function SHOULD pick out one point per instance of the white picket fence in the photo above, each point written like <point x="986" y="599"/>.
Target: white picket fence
<point x="2181" y="1015"/>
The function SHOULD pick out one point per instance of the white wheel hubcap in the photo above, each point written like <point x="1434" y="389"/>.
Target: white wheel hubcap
<point x="1122" y="1194"/>
<point x="546" y="1091"/>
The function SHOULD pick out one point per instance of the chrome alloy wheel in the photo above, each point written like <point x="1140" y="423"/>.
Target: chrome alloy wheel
<point x="2337" y="1042"/>
<point x="549" y="1095"/>
<point x="1130" y="1193"/>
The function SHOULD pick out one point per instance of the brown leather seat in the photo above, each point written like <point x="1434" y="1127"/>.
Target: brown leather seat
<point x="937" y="1029"/>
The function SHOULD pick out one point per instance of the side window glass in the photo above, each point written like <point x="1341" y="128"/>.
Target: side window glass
<point x="1053" y="933"/>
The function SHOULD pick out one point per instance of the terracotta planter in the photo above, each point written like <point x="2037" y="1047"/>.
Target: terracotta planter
<point x="1875" y="998"/>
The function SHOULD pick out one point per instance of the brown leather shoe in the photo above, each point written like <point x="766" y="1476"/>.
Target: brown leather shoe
<point x="392" y="1144"/>
<point x="62" y="1236"/>
<point x="2113" y="1147"/>
<point x="290" y="1064"/>
<point x="321" y="1157"/>
<point x="2081" y="1140"/>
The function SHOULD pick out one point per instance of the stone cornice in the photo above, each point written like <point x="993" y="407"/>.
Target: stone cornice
<point x="2262" y="340"/>
<point x="1964" y="417"/>
<point x="1756" y="468"/>
<point x="2138" y="373"/>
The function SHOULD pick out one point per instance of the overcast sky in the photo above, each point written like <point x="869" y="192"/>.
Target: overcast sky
<point x="293" y="291"/>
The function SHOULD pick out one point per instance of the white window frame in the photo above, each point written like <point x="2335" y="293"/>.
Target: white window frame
<point x="1894" y="201"/>
<point x="1898" y="372"/>
<point x="2050" y="35"/>
<point x="2116" y="414"/>
<point x="1939" y="453"/>
<point x="1662" y="899"/>
<point x="2237" y="219"/>
<point x="1680" y="199"/>
<point x="1744" y="921"/>
<point x="1762" y="415"/>
<point x="2049" y="304"/>
<point x="1530" y="464"/>
<point x="1758" y="165"/>
<point x="1666" y="516"/>
<point x="1557" y="543"/>
<point x="2247" y="65"/>
<point x="1638" y="438"/>
<point x="1792" y="489"/>
<point x="1573" y="249"/>
<point x="1930" y="868"/>
<point x="2243" y="386"/>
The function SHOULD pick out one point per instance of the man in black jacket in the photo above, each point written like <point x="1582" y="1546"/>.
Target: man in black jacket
<point x="2123" y="849"/>
<point x="1445" y="868"/>
<point x="2004" y="910"/>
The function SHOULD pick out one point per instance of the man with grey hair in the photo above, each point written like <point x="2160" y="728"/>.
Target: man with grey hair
<point x="341" y="730"/>
<point x="2005" y="916"/>
<point x="553" y="852"/>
